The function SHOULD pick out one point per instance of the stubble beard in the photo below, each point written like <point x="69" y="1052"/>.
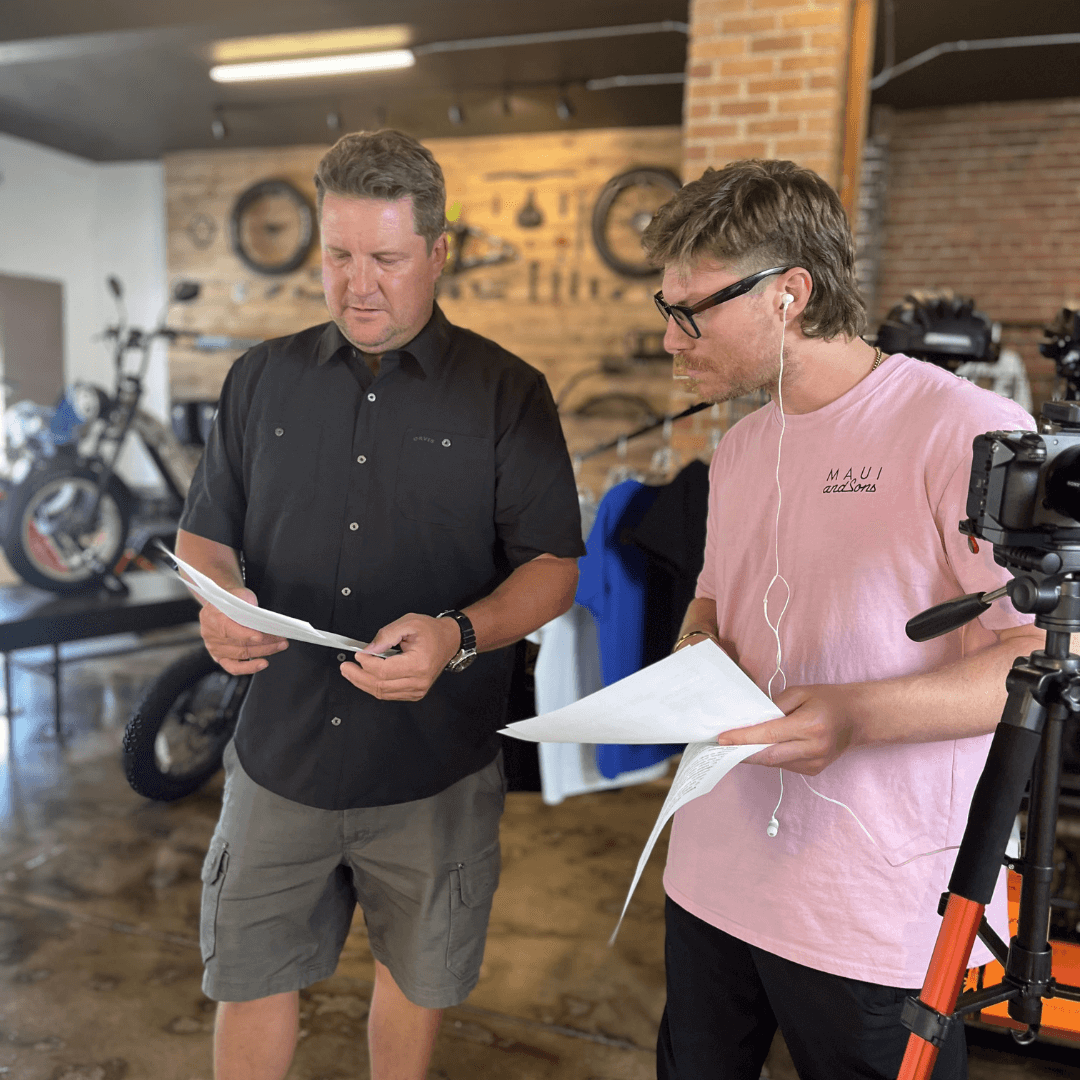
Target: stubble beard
<point x="743" y="385"/>
<point x="374" y="347"/>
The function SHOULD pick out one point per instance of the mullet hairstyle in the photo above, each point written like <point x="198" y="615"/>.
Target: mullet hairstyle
<point x="390" y="165"/>
<point x="754" y="214"/>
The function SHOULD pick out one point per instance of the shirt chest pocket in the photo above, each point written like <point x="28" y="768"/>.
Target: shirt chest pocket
<point x="445" y="479"/>
<point x="284" y="465"/>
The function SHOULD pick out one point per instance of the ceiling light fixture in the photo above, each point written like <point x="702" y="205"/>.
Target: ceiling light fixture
<point x="307" y="67"/>
<point x="217" y="126"/>
<point x="456" y="114"/>
<point x="564" y="110"/>
<point x="278" y="46"/>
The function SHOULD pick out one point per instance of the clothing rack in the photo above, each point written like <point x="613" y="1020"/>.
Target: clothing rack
<point x="612" y="444"/>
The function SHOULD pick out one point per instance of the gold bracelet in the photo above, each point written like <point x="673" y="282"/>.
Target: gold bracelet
<point x="691" y="633"/>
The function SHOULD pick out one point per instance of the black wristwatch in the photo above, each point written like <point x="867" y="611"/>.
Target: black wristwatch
<point x="467" y="653"/>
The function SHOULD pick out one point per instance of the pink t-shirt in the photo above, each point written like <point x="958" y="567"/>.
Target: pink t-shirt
<point x="874" y="485"/>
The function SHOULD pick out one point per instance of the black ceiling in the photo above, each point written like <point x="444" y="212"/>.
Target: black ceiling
<point x="907" y="27"/>
<point x="127" y="79"/>
<point x="116" y="79"/>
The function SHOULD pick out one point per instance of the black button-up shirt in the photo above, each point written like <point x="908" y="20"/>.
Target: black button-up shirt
<point x="356" y="499"/>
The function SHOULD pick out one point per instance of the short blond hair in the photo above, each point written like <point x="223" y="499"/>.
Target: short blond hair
<point x="754" y="214"/>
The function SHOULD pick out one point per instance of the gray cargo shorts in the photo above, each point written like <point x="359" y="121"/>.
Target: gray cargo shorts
<point x="281" y="881"/>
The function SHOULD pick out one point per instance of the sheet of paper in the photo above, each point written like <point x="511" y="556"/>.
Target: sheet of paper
<point x="257" y="618"/>
<point x="703" y="765"/>
<point x="689" y="697"/>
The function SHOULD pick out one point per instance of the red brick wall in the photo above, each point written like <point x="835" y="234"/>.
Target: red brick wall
<point x="985" y="199"/>
<point x="766" y="78"/>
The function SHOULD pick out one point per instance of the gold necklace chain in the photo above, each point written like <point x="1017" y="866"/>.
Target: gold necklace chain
<point x="878" y="357"/>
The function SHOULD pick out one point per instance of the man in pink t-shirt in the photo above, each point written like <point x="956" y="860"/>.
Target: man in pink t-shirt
<point x="811" y="904"/>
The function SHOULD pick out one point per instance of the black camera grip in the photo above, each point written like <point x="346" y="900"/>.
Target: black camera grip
<point x="941" y="619"/>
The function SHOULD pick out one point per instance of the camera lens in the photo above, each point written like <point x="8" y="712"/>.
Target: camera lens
<point x="1063" y="484"/>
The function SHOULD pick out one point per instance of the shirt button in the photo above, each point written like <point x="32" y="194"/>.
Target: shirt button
<point x="343" y="656"/>
<point x="346" y="591"/>
<point x="279" y="431"/>
<point x="371" y="397"/>
<point x="336" y="721"/>
<point x="361" y="459"/>
<point x="353" y="526"/>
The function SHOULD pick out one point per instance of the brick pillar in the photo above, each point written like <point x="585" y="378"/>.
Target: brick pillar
<point x="766" y="78"/>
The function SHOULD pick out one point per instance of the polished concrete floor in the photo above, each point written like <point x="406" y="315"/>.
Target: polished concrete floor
<point x="99" y="899"/>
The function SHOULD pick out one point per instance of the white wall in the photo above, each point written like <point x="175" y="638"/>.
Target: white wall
<point x="129" y="242"/>
<point x="66" y="219"/>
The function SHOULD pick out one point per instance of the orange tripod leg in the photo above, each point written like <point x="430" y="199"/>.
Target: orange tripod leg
<point x="944" y="978"/>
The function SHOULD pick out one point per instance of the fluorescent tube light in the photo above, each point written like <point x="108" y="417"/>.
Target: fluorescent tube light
<point x="320" y="42"/>
<point x="314" y="66"/>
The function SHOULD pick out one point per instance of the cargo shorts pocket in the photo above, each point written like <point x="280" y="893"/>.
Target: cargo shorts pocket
<point x="215" y="867"/>
<point x="472" y="886"/>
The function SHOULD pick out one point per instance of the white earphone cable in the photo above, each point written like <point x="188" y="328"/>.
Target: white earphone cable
<point x="777" y="576"/>
<point x="774" y="825"/>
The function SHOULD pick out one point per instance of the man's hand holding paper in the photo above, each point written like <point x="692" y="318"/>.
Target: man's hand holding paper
<point x="426" y="646"/>
<point x="817" y="728"/>
<point x="238" y="649"/>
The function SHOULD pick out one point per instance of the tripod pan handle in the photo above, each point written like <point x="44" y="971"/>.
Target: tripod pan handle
<point x="941" y="619"/>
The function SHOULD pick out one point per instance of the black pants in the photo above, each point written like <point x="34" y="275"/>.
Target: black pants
<point x="726" y="999"/>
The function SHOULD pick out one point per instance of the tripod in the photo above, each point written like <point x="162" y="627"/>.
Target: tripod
<point x="1043" y="691"/>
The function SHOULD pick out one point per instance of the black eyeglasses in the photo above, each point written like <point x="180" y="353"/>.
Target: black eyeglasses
<point x="684" y="316"/>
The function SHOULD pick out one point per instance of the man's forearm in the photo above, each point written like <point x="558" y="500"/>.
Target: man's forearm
<point x="959" y="701"/>
<point x="217" y="561"/>
<point x="535" y="593"/>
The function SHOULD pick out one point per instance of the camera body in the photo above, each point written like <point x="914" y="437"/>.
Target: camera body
<point x="1024" y="490"/>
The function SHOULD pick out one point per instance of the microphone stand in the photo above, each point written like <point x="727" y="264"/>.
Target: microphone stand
<point x="1043" y="692"/>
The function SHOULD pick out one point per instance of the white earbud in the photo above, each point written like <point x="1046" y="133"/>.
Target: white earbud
<point x="785" y="299"/>
<point x="773" y="827"/>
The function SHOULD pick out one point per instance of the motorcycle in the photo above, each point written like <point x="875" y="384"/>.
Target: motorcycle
<point x="67" y="517"/>
<point x="174" y="741"/>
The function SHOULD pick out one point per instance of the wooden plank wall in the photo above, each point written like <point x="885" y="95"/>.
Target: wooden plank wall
<point x="557" y="304"/>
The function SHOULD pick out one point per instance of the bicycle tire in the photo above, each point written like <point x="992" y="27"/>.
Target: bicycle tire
<point x="602" y="216"/>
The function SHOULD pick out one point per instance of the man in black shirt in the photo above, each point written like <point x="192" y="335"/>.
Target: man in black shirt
<point x="402" y="481"/>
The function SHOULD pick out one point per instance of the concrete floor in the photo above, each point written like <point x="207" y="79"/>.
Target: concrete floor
<point x="99" y="901"/>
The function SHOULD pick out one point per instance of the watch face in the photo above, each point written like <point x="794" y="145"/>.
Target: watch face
<point x="272" y="227"/>
<point x="462" y="660"/>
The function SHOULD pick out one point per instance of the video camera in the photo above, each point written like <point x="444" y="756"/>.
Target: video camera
<point x="1024" y="491"/>
<point x="1064" y="349"/>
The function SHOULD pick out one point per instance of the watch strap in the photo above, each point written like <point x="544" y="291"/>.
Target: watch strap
<point x="468" y="634"/>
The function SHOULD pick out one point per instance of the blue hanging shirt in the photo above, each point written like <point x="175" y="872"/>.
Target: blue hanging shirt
<point x="612" y="585"/>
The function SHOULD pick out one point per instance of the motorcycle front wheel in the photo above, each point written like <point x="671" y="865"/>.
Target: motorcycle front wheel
<point x="174" y="742"/>
<point x="53" y="536"/>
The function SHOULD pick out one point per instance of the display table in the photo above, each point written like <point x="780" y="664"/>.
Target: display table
<point x="31" y="618"/>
